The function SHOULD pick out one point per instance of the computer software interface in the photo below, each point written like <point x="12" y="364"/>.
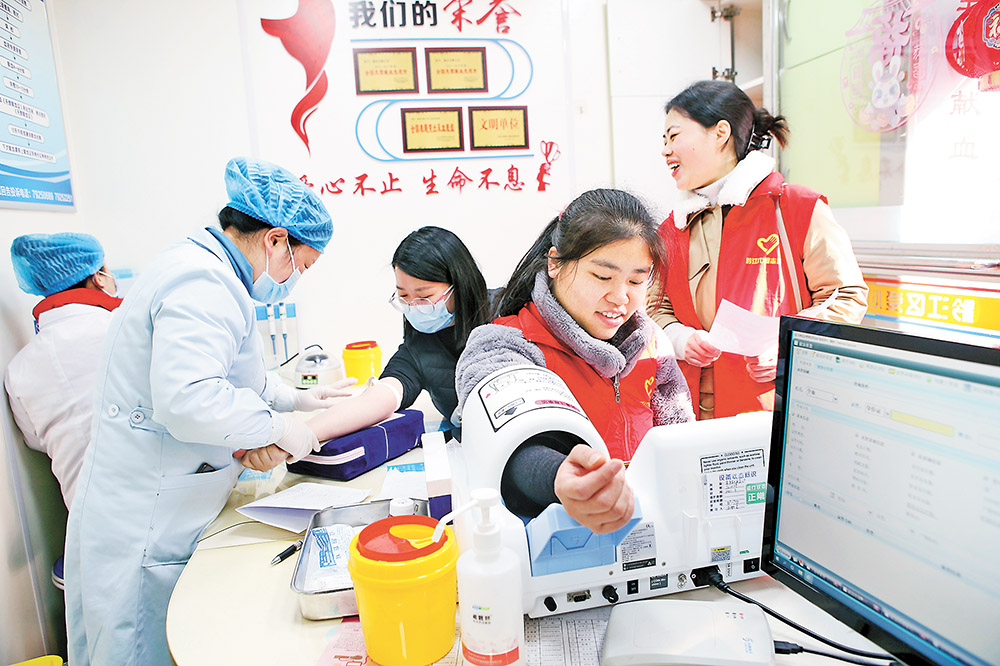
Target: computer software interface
<point x="890" y="493"/>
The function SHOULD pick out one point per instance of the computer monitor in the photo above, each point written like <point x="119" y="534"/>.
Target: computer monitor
<point x="884" y="478"/>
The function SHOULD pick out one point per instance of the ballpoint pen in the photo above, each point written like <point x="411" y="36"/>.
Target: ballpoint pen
<point x="286" y="553"/>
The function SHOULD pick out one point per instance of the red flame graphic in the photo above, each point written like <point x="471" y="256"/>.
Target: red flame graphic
<point x="307" y="37"/>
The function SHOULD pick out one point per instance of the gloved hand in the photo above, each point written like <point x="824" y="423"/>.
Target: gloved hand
<point x="320" y="397"/>
<point x="298" y="440"/>
<point x="287" y="398"/>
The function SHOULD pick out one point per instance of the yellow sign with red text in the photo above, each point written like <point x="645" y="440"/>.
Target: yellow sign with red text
<point x="962" y="308"/>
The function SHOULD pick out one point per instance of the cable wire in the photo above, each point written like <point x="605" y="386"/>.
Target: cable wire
<point x="850" y="660"/>
<point x="785" y="647"/>
<point x="209" y="536"/>
<point x="292" y="357"/>
<point x="715" y="578"/>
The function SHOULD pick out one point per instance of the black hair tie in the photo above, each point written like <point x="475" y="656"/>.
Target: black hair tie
<point x="758" y="141"/>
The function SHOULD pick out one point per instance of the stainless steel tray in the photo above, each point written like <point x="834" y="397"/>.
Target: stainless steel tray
<point x="326" y="604"/>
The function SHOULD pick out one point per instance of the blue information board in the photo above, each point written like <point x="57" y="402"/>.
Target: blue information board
<point x="34" y="164"/>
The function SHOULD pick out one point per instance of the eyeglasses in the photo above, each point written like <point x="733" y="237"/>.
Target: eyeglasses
<point x="108" y="275"/>
<point x="422" y="305"/>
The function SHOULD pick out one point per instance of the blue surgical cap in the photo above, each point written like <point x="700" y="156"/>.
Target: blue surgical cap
<point x="46" y="264"/>
<point x="274" y="196"/>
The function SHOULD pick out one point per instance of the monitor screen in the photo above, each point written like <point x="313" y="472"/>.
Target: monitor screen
<point x="885" y="487"/>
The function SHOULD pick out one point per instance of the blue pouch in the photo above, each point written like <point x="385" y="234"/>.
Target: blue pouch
<point x="346" y="457"/>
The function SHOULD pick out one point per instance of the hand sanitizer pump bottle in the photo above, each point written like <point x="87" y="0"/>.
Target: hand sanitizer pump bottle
<point x="489" y="592"/>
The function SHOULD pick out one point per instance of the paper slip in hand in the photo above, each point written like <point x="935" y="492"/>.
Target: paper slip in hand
<point x="742" y="332"/>
<point x="292" y="509"/>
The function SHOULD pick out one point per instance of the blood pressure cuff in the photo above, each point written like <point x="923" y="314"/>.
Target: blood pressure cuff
<point x="346" y="457"/>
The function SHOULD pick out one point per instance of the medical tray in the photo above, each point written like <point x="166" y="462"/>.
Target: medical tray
<point x="326" y="604"/>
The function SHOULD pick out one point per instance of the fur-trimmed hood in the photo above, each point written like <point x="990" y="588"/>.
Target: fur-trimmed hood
<point x="608" y="357"/>
<point x="747" y="175"/>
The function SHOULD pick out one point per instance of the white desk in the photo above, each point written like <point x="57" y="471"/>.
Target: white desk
<point x="231" y="606"/>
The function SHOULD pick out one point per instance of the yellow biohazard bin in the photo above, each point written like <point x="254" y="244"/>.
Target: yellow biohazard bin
<point x="362" y="360"/>
<point x="406" y="588"/>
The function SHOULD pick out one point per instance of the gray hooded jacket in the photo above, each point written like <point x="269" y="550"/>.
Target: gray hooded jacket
<point x="492" y="347"/>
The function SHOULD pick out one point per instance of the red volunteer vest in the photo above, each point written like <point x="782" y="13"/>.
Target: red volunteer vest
<point x="621" y="420"/>
<point x="751" y="273"/>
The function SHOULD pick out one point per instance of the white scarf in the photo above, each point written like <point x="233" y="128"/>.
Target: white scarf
<point x="733" y="188"/>
<point x="711" y="192"/>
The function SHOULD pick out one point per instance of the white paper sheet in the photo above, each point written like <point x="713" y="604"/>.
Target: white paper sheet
<point x="573" y="639"/>
<point x="292" y="509"/>
<point x="404" y="483"/>
<point x="742" y="332"/>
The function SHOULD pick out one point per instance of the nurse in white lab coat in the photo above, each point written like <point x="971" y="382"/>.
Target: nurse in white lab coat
<point x="182" y="391"/>
<point x="50" y="382"/>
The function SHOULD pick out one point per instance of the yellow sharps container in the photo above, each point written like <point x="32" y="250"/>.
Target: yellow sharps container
<point x="362" y="360"/>
<point x="406" y="588"/>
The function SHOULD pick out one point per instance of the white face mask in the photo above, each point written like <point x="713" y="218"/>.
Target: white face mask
<point x="266" y="290"/>
<point x="114" y="280"/>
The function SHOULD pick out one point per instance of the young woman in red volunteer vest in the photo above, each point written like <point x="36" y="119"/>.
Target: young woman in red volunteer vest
<point x="739" y="233"/>
<point x="575" y="305"/>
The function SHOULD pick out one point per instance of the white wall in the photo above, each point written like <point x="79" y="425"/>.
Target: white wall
<point x="656" y="49"/>
<point x="567" y="99"/>
<point x="149" y="122"/>
<point x="155" y="101"/>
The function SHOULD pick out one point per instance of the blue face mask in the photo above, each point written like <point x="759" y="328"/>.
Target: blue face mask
<point x="438" y="318"/>
<point x="266" y="290"/>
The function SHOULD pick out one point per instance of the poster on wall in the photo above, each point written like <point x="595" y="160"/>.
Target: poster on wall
<point x="407" y="112"/>
<point x="34" y="164"/>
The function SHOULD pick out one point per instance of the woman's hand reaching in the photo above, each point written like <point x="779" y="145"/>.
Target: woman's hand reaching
<point x="593" y="490"/>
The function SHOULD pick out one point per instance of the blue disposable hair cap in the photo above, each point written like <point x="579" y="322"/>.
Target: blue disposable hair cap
<point x="46" y="264"/>
<point x="274" y="196"/>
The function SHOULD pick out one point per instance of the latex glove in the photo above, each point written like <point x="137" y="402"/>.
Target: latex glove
<point x="593" y="490"/>
<point x="287" y="398"/>
<point x="699" y="351"/>
<point x="298" y="440"/>
<point x="321" y="397"/>
<point x="764" y="367"/>
<point x="262" y="459"/>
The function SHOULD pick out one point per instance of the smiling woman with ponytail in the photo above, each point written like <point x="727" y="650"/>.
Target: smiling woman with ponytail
<point x="738" y="232"/>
